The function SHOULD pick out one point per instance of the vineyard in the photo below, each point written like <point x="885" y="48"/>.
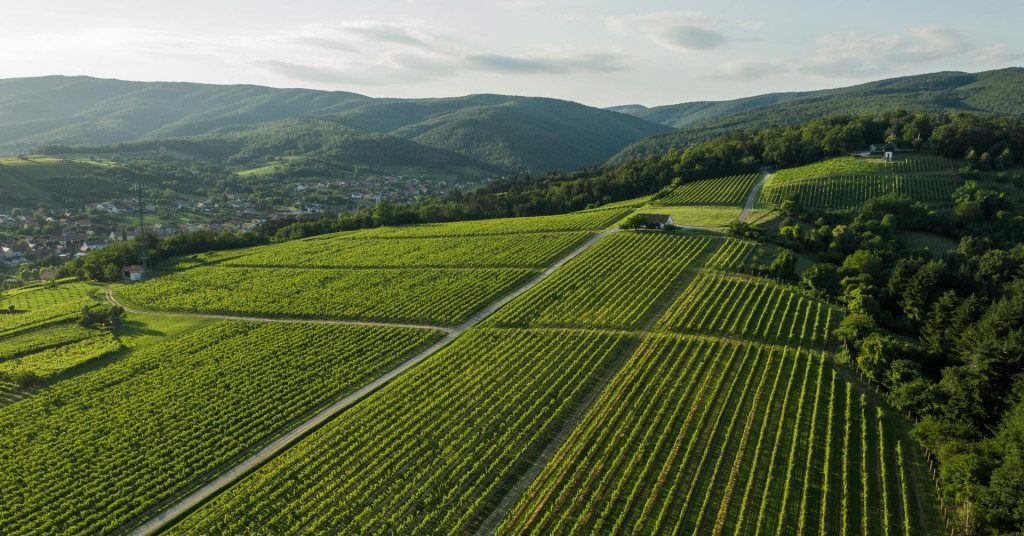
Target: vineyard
<point x="11" y="325"/>
<point x="720" y="191"/>
<point x="698" y="436"/>
<point x="93" y="452"/>
<point x="646" y="386"/>
<point x="417" y="295"/>
<point x="435" y="274"/>
<point x="851" y="165"/>
<point x="32" y="298"/>
<point x="536" y="250"/>
<point x="426" y="454"/>
<point x="847" y="192"/>
<point x="745" y="308"/>
<point x="586" y="220"/>
<point x="610" y="285"/>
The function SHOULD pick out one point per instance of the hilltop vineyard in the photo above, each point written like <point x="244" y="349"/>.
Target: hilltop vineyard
<point x="722" y="191"/>
<point x="852" y="191"/>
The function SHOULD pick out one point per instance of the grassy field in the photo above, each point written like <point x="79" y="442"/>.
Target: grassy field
<point x="696" y="216"/>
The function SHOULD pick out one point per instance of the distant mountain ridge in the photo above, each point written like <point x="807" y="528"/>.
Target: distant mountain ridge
<point x="514" y="134"/>
<point x="997" y="92"/>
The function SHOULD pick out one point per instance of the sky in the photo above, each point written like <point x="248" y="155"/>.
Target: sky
<point x="597" y="52"/>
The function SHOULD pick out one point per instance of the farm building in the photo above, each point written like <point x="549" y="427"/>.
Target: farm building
<point x="659" y="220"/>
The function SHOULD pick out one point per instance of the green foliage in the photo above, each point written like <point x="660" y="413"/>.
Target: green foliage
<point x="205" y="397"/>
<point x="697" y="435"/>
<point x="719" y="191"/>
<point x="784" y="265"/>
<point x="823" y="278"/>
<point x="437" y="462"/>
<point x="611" y="285"/>
<point x="993" y="92"/>
<point x="751" y="309"/>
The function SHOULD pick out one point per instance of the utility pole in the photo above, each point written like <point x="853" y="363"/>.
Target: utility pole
<point x="144" y="260"/>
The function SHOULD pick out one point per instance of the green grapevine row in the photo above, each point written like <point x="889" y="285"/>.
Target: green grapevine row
<point x="93" y="452"/>
<point x="40" y="297"/>
<point x="853" y="191"/>
<point x="524" y="250"/>
<point x="588" y="220"/>
<point x="51" y="361"/>
<point x="11" y="325"/>
<point x="610" y="285"/>
<point x="748" y="308"/>
<point x="730" y="255"/>
<point x="721" y="191"/>
<point x="698" y="436"/>
<point x="432" y="296"/>
<point x="425" y="454"/>
<point x="43" y="339"/>
<point x="850" y="165"/>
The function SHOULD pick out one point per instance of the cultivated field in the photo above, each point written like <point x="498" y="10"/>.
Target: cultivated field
<point x="96" y="451"/>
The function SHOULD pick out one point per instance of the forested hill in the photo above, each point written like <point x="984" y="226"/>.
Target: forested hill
<point x="514" y="134"/>
<point x="993" y="92"/>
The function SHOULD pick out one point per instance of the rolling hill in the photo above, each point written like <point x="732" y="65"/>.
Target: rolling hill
<point x="514" y="134"/>
<point x="992" y="92"/>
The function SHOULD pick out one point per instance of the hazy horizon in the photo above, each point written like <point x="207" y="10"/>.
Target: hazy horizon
<point x="597" y="53"/>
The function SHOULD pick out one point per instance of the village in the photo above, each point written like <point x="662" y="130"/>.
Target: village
<point x="28" y="235"/>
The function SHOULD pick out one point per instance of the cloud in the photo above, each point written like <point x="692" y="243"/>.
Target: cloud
<point x="370" y="53"/>
<point x="857" y="54"/>
<point x="995" y="55"/>
<point x="745" y="70"/>
<point x="686" y="31"/>
<point x="583" y="63"/>
<point x="693" y="38"/>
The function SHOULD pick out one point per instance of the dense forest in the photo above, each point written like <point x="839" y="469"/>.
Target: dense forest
<point x="992" y="92"/>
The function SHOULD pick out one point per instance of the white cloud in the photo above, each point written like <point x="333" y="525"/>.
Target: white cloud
<point x="859" y="54"/>
<point x="995" y="55"/>
<point x="371" y="53"/>
<point x="744" y="70"/>
<point x="682" y="30"/>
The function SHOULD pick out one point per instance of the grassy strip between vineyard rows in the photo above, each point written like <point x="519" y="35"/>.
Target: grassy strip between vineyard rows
<point x="91" y="453"/>
<point x="721" y="191"/>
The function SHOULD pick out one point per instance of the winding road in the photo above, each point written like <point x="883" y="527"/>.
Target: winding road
<point x="193" y="499"/>
<point x="752" y="198"/>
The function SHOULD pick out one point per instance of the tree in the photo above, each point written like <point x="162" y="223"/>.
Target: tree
<point x="784" y="265"/>
<point x="823" y="278"/>
<point x="635" y="221"/>
<point x="877" y="352"/>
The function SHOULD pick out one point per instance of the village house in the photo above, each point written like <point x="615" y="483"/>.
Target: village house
<point x="659" y="220"/>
